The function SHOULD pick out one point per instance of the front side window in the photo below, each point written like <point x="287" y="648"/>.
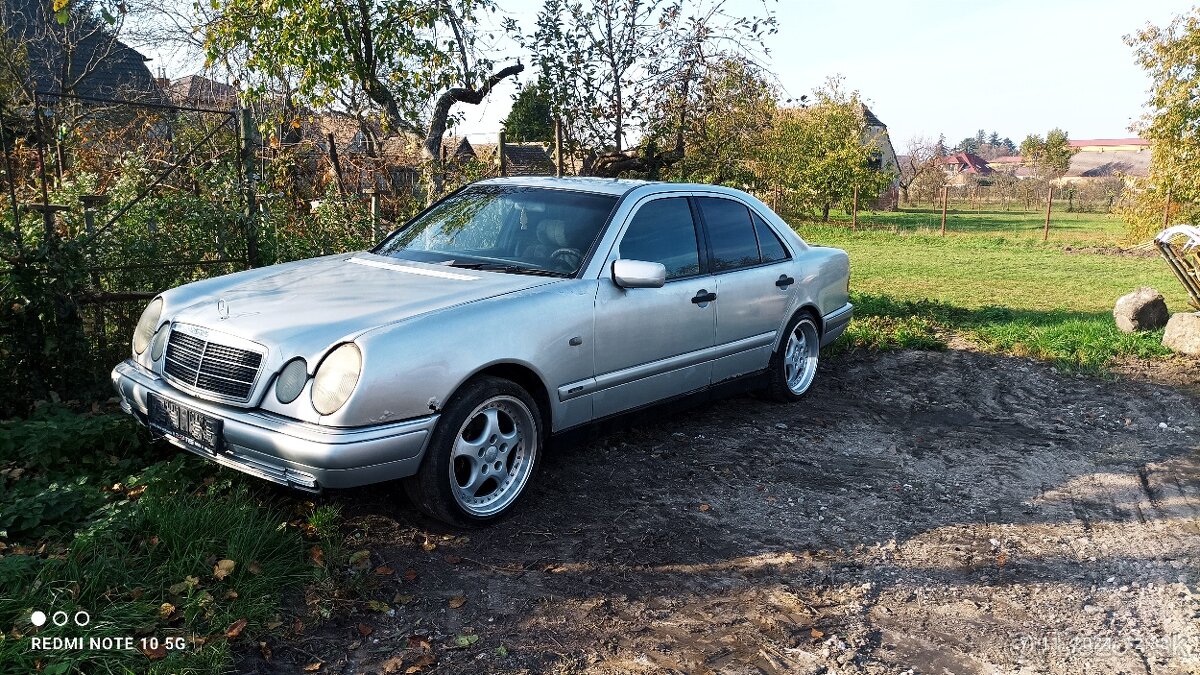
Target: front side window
<point x="505" y="228"/>
<point x="662" y="231"/>
<point x="730" y="233"/>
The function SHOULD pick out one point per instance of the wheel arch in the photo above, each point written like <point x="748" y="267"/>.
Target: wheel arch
<point x="808" y="309"/>
<point x="524" y="377"/>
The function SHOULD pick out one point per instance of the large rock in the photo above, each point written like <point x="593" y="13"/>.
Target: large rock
<point x="1183" y="333"/>
<point x="1143" y="309"/>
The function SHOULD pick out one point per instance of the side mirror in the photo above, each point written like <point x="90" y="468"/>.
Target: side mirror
<point x="638" y="274"/>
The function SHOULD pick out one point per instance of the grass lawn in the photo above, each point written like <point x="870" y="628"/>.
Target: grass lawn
<point x="1065" y="228"/>
<point x="154" y="545"/>
<point x="992" y="281"/>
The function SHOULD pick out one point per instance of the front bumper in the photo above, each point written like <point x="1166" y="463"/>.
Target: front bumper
<point x="285" y="451"/>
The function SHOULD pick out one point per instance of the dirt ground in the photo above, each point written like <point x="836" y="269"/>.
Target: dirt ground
<point x="920" y="512"/>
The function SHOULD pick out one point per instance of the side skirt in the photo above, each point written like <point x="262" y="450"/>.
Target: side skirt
<point x="589" y="431"/>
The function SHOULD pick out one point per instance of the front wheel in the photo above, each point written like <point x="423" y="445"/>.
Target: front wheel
<point x="481" y="456"/>
<point x="794" y="365"/>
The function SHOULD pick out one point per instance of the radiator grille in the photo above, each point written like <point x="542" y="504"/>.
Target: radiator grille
<point x="228" y="372"/>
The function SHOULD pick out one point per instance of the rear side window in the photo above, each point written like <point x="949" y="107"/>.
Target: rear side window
<point x="730" y="233"/>
<point x="769" y="246"/>
<point x="662" y="231"/>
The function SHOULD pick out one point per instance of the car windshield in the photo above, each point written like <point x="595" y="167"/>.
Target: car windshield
<point x="524" y="230"/>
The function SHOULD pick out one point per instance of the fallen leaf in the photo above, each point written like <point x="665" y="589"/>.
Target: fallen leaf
<point x="365" y="630"/>
<point x="410" y="574"/>
<point x="453" y="559"/>
<point x="384" y="570"/>
<point x="705" y="507"/>
<point x="816" y="634"/>
<point x="154" y="653"/>
<point x="403" y="599"/>
<point x="428" y="546"/>
<point x="165" y="610"/>
<point x="265" y="650"/>
<point x="378" y="606"/>
<point x="392" y="665"/>
<point x="312" y="667"/>
<point x="255" y="568"/>
<point x="297" y="626"/>
<point x="223" y="568"/>
<point x="457" y="601"/>
<point x="235" y="629"/>
<point x="137" y="593"/>
<point x="231" y="595"/>
<point x="318" y="557"/>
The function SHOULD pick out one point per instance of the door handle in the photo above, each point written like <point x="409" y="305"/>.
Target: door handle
<point x="702" y="296"/>
<point x="784" y="281"/>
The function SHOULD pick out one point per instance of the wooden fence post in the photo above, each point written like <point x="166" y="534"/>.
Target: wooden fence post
<point x="558" y="149"/>
<point x="373" y="197"/>
<point x="246" y="134"/>
<point x="1049" y="202"/>
<point x="854" y="211"/>
<point x="945" y="199"/>
<point x="500" y="154"/>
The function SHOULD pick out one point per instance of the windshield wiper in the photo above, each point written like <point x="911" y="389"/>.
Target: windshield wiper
<point x="509" y="269"/>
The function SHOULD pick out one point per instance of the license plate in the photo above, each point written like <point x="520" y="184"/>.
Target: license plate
<point x="183" y="424"/>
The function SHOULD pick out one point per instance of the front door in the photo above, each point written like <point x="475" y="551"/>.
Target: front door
<point x="653" y="343"/>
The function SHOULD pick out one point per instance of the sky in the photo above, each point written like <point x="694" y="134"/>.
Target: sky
<point x="929" y="67"/>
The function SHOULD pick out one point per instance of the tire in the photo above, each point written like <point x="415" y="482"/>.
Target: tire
<point x="793" y="366"/>
<point x="482" y="455"/>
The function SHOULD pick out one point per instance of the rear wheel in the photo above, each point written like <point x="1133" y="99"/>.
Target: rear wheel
<point x="482" y="455"/>
<point x="794" y="365"/>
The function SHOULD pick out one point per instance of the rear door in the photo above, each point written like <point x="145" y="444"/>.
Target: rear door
<point x="653" y="343"/>
<point x="754" y="286"/>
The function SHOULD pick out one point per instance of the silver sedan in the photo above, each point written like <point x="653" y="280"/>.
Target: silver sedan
<point x="509" y="311"/>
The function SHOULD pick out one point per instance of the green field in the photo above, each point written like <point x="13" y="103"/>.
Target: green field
<point x="992" y="281"/>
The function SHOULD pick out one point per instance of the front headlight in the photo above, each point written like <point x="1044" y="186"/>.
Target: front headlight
<point x="146" y="325"/>
<point x="336" y="378"/>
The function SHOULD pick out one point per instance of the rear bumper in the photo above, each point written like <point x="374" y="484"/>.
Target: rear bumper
<point x="281" y="450"/>
<point x="835" y="323"/>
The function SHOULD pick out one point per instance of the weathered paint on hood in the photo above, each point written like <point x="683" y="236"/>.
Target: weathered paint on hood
<point x="302" y="309"/>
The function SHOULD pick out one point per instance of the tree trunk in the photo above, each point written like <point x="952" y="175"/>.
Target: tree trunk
<point x="825" y="212"/>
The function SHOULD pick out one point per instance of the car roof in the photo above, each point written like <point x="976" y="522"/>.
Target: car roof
<point x="612" y="186"/>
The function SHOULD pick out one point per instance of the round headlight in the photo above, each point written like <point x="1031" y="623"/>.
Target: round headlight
<point x="146" y="325"/>
<point x="335" y="379"/>
<point x="291" y="380"/>
<point x="158" y="345"/>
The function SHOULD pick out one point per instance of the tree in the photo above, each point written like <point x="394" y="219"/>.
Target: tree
<point x="921" y="165"/>
<point x="732" y="108"/>
<point x="412" y="59"/>
<point x="531" y="118"/>
<point x="819" y="154"/>
<point x="1169" y="55"/>
<point x="1050" y="157"/>
<point x="614" y="66"/>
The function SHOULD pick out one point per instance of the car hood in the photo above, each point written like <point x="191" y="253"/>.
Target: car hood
<point x="304" y="308"/>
